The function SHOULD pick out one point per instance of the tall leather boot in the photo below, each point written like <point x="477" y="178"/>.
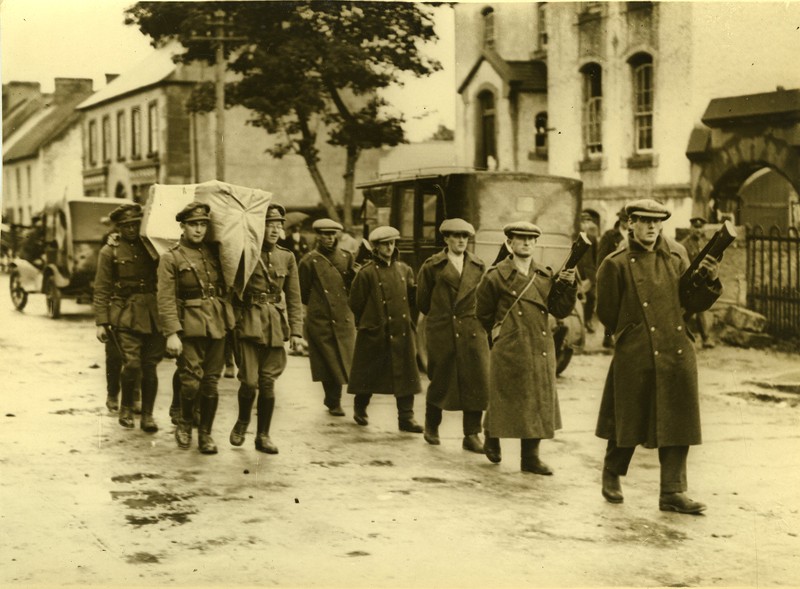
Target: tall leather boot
<point x="405" y="415"/>
<point x="530" y="457"/>
<point x="208" y="409"/>
<point x="266" y="405"/>
<point x="246" y="397"/>
<point x="149" y="391"/>
<point x="126" y="407"/>
<point x="175" y="405"/>
<point x="433" y="418"/>
<point x="183" y="429"/>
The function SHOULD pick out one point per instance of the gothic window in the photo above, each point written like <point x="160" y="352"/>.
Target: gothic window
<point x="592" y="75"/>
<point x="642" y="77"/>
<point x="486" y="147"/>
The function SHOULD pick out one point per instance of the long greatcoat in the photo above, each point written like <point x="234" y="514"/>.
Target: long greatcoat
<point x="458" y="351"/>
<point x="650" y="395"/>
<point x="385" y="355"/>
<point x="522" y="376"/>
<point x="325" y="278"/>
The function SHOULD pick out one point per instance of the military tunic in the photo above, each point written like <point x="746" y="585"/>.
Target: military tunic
<point x="522" y="376"/>
<point x="125" y="300"/>
<point x="385" y="355"/>
<point x="266" y="316"/>
<point x="650" y="395"/>
<point x="458" y="351"/>
<point x="325" y="278"/>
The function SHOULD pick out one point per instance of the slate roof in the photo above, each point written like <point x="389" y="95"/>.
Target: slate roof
<point x="48" y="126"/>
<point x="779" y="106"/>
<point x="528" y="76"/>
<point x="16" y="117"/>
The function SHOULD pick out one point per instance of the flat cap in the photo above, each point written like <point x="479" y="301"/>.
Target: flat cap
<point x="647" y="207"/>
<point x="698" y="221"/>
<point x="622" y="214"/>
<point x="384" y="233"/>
<point x="194" y="211"/>
<point x="456" y="226"/>
<point x="521" y="228"/>
<point x="275" y="212"/>
<point x="324" y="225"/>
<point x="126" y="213"/>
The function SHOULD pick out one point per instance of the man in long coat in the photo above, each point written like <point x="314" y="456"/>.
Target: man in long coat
<point x="650" y="395"/>
<point x="514" y="299"/>
<point x="609" y="242"/>
<point x="385" y="355"/>
<point x="458" y="351"/>
<point x="269" y="314"/>
<point x="325" y="277"/>
<point x="194" y="315"/>
<point x="125" y="310"/>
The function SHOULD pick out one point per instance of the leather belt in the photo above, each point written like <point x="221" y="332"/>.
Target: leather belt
<point x="261" y="298"/>
<point x="199" y="293"/>
<point x="125" y="291"/>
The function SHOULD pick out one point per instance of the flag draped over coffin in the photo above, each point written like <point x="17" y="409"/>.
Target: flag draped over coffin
<point x="237" y="222"/>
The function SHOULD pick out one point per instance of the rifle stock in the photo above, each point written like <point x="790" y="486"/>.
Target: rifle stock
<point x="579" y="247"/>
<point x="716" y="246"/>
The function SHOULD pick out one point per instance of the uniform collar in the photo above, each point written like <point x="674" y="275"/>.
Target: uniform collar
<point x="194" y="246"/>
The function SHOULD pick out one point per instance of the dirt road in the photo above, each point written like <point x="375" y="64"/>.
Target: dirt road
<point x="84" y="502"/>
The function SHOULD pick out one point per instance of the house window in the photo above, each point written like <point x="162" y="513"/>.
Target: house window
<point x="106" y="138"/>
<point x="541" y="13"/>
<point x="152" y="128"/>
<point x="488" y="26"/>
<point x="541" y="133"/>
<point x="136" y="132"/>
<point x="592" y="109"/>
<point x="642" y="73"/>
<point x="486" y="148"/>
<point x="121" y="135"/>
<point x="93" y="143"/>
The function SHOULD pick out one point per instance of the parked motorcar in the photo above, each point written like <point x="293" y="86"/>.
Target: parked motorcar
<point x="58" y="256"/>
<point x="416" y="204"/>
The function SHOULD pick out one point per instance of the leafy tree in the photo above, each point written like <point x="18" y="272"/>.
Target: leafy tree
<point x="304" y="63"/>
<point x="443" y="133"/>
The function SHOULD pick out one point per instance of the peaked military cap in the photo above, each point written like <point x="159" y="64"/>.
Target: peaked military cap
<point x="456" y="226"/>
<point x="521" y="228"/>
<point x="326" y="225"/>
<point x="649" y="208"/>
<point x="698" y="221"/>
<point x="194" y="211"/>
<point x="384" y="233"/>
<point x="126" y="213"/>
<point x="275" y="212"/>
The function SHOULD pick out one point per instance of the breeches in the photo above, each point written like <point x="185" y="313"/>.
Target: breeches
<point x="201" y="365"/>
<point x="259" y="365"/>
<point x="141" y="354"/>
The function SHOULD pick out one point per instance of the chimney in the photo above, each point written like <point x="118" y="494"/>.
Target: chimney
<point x="71" y="89"/>
<point x="111" y="77"/>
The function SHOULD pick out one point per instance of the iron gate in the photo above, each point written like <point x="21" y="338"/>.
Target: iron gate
<point x="773" y="278"/>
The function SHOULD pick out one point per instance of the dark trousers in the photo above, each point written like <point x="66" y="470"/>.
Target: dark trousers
<point x="333" y="394"/>
<point x="259" y="368"/>
<point x="699" y="324"/>
<point x="671" y="458"/>
<point x="405" y="405"/>
<point x="200" y="367"/>
<point x="471" y="420"/>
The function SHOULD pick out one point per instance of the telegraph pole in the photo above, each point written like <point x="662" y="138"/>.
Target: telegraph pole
<point x="219" y="38"/>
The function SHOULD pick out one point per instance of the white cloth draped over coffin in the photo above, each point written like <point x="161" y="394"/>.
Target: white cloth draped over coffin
<point x="237" y="222"/>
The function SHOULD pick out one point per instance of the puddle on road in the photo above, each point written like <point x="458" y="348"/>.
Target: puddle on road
<point x="380" y="463"/>
<point x="434" y="480"/>
<point x="152" y="507"/>
<point x="141" y="557"/>
<point x="642" y="531"/>
<point x="329" y="463"/>
<point x="129" y="478"/>
<point x="148" y="499"/>
<point x="764" y="398"/>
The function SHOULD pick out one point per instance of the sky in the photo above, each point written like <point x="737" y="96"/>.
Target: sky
<point x="44" y="39"/>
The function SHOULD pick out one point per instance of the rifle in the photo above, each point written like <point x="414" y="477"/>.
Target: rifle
<point x="694" y="275"/>
<point x="114" y="340"/>
<point x="579" y="247"/>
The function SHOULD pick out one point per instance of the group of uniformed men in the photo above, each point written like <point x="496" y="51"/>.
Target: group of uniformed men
<point x="489" y="343"/>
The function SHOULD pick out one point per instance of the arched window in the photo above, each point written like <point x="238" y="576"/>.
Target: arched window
<point x="592" y="81"/>
<point x="642" y="78"/>
<point x="486" y="147"/>
<point x="541" y="133"/>
<point x="488" y="26"/>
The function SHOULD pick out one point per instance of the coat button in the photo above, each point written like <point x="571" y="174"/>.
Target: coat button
<point x="544" y="354"/>
<point x="644" y="304"/>
<point x="633" y="260"/>
<point x="655" y="353"/>
<point x="680" y="352"/>
<point x="519" y="312"/>
<point x="404" y="315"/>
<point x="680" y="328"/>
<point x="543" y="313"/>
<point x="333" y="320"/>
<point x="513" y="292"/>
<point x="652" y="329"/>
<point x="458" y="335"/>
<point x="544" y="332"/>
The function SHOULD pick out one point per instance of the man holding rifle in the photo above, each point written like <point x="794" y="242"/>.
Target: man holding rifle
<point x="126" y="313"/>
<point x="513" y="302"/>
<point x="650" y="396"/>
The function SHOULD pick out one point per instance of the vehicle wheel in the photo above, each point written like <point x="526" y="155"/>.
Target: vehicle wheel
<point x="53" y="295"/>
<point x="18" y="295"/>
